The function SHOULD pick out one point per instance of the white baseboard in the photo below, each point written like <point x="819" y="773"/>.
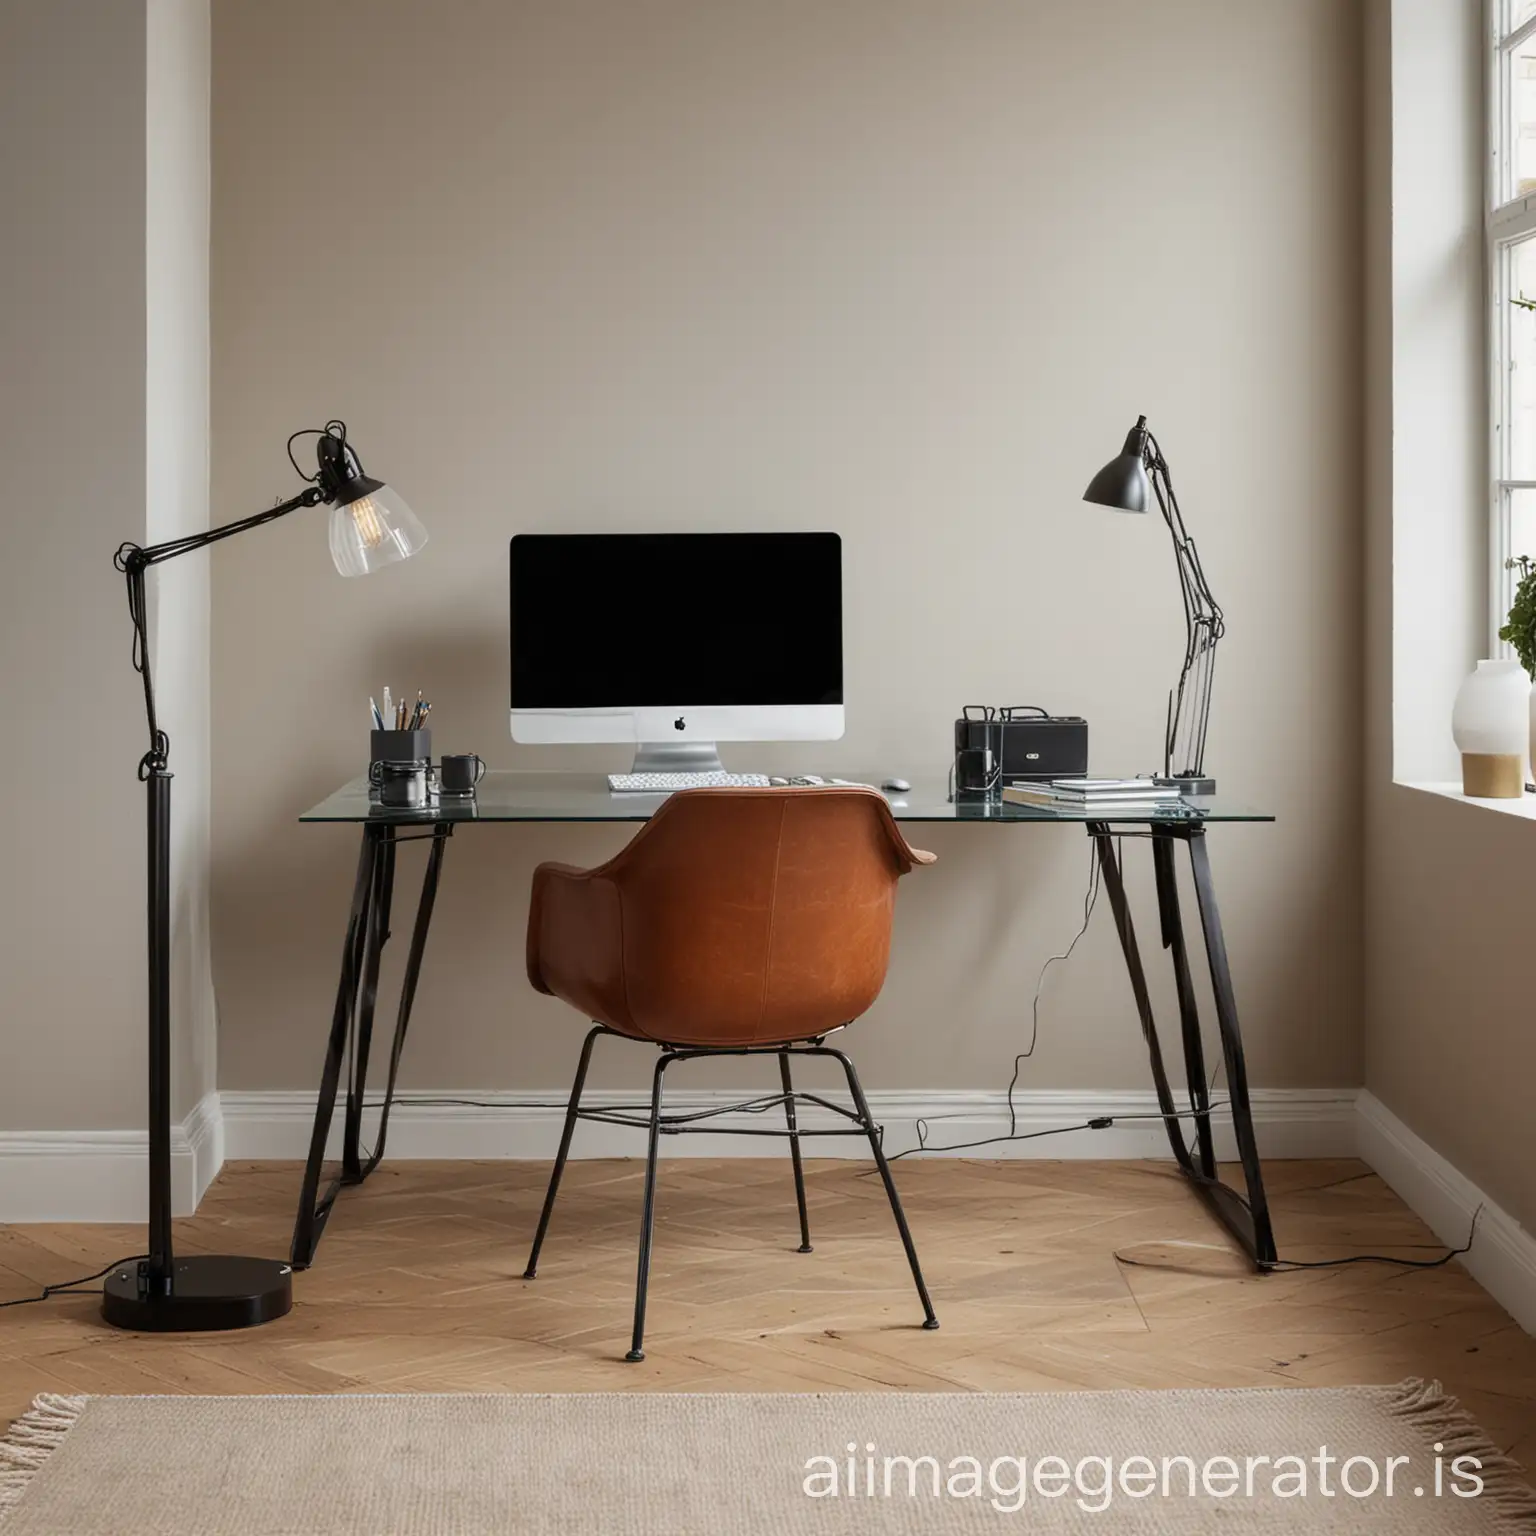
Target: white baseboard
<point x="1289" y="1123"/>
<point x="203" y="1132"/>
<point x="100" y="1175"/>
<point x="103" y="1175"/>
<point x="1503" y="1256"/>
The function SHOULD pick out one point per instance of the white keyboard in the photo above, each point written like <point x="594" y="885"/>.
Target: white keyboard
<point x="665" y="783"/>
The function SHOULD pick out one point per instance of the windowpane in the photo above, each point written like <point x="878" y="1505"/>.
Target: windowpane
<point x="1522" y="526"/>
<point x="1521" y="421"/>
<point x="1519" y="11"/>
<point x="1521" y="62"/>
<point x="1521" y="540"/>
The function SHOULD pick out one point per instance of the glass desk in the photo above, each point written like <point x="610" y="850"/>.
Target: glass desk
<point x="508" y="796"/>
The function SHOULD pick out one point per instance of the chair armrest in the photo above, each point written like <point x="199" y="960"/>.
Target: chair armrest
<point x="906" y="855"/>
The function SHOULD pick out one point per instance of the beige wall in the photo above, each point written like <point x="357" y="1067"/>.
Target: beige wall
<point x="1450" y="1047"/>
<point x="899" y="269"/>
<point x="72" y="467"/>
<point x="103" y="438"/>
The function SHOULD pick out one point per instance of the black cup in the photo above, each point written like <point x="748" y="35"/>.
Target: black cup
<point x="459" y="772"/>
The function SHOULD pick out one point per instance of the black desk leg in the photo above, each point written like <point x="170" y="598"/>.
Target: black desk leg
<point x="1262" y="1247"/>
<point x="1189" y="1009"/>
<point x="361" y="1038"/>
<point x="1247" y="1220"/>
<point x="424" y="906"/>
<point x="1109" y="867"/>
<point x="352" y="1021"/>
<point x="312" y="1210"/>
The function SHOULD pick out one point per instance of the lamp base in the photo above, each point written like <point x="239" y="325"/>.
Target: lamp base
<point x="208" y="1292"/>
<point x="1190" y="784"/>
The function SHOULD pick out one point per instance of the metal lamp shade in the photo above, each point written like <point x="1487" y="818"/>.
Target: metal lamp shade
<point x="1122" y="483"/>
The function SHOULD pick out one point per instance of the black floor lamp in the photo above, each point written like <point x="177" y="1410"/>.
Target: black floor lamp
<point x="1122" y="484"/>
<point x="371" y="526"/>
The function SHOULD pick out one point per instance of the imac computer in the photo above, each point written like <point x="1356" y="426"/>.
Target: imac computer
<point x="677" y="641"/>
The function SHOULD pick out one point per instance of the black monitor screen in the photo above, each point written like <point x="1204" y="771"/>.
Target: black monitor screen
<point x="645" y="619"/>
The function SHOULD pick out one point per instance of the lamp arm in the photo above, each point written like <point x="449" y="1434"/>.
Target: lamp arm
<point x="156" y="554"/>
<point x="134" y="559"/>
<point x="1189" y="705"/>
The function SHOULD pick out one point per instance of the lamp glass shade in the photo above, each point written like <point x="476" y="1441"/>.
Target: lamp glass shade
<point x="373" y="530"/>
<point x="1121" y="484"/>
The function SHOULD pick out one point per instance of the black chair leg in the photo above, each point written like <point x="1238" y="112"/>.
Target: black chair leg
<point x="861" y="1104"/>
<point x="648" y="1215"/>
<point x="794" y="1151"/>
<point x="565" y="1147"/>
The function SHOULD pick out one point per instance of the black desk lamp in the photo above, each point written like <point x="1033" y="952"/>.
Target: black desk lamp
<point x="1122" y="484"/>
<point x="370" y="527"/>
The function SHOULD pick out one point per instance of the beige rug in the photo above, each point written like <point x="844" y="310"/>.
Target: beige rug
<point x="622" y="1464"/>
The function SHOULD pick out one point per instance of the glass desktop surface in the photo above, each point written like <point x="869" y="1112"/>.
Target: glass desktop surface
<point x="515" y="795"/>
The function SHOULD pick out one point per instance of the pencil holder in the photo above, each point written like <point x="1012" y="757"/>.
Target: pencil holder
<point x="400" y="768"/>
<point x="400" y="747"/>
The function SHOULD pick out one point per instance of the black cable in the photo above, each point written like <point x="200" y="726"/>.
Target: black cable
<point x="1281" y="1266"/>
<point x="303" y="432"/>
<point x="989" y="1141"/>
<point x="1287" y="1266"/>
<point x="1090" y="901"/>
<point x="435" y="1103"/>
<point x="67" y="1287"/>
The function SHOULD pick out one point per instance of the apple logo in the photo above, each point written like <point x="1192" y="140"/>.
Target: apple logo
<point x="679" y="724"/>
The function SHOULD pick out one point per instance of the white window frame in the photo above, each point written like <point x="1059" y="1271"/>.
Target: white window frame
<point x="1508" y="223"/>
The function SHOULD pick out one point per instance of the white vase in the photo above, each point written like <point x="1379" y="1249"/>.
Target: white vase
<point x="1492" y="722"/>
<point x="1531" y="740"/>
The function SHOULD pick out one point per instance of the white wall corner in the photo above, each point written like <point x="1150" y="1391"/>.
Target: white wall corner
<point x="1503" y="1256"/>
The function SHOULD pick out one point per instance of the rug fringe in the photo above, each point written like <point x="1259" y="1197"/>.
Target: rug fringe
<point x="32" y="1439"/>
<point x="1435" y="1413"/>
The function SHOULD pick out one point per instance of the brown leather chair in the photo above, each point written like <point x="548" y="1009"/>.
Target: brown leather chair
<point x="737" y="922"/>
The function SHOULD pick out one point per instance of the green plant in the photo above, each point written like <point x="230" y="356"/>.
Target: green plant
<point x="1519" y="630"/>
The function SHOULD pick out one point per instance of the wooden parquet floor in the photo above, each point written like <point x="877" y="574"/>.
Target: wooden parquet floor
<point x="418" y="1287"/>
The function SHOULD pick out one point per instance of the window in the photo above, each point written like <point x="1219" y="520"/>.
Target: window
<point x="1512" y="252"/>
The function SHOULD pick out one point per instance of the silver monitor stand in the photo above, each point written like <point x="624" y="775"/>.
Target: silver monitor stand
<point x="677" y="757"/>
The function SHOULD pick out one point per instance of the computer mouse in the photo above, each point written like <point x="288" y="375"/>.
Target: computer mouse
<point x="897" y="786"/>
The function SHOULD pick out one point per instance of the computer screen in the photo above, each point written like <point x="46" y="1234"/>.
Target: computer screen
<point x="676" y="620"/>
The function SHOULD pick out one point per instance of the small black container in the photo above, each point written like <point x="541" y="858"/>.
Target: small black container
<point x="400" y="746"/>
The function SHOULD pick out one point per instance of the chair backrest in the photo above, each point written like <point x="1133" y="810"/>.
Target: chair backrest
<point x="754" y="916"/>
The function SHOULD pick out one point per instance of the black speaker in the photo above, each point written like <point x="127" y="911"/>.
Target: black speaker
<point x="1021" y="743"/>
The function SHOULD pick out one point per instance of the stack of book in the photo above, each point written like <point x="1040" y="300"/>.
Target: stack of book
<point x="1111" y="795"/>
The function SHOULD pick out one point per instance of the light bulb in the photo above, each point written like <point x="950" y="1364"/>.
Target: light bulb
<point x="365" y="517"/>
